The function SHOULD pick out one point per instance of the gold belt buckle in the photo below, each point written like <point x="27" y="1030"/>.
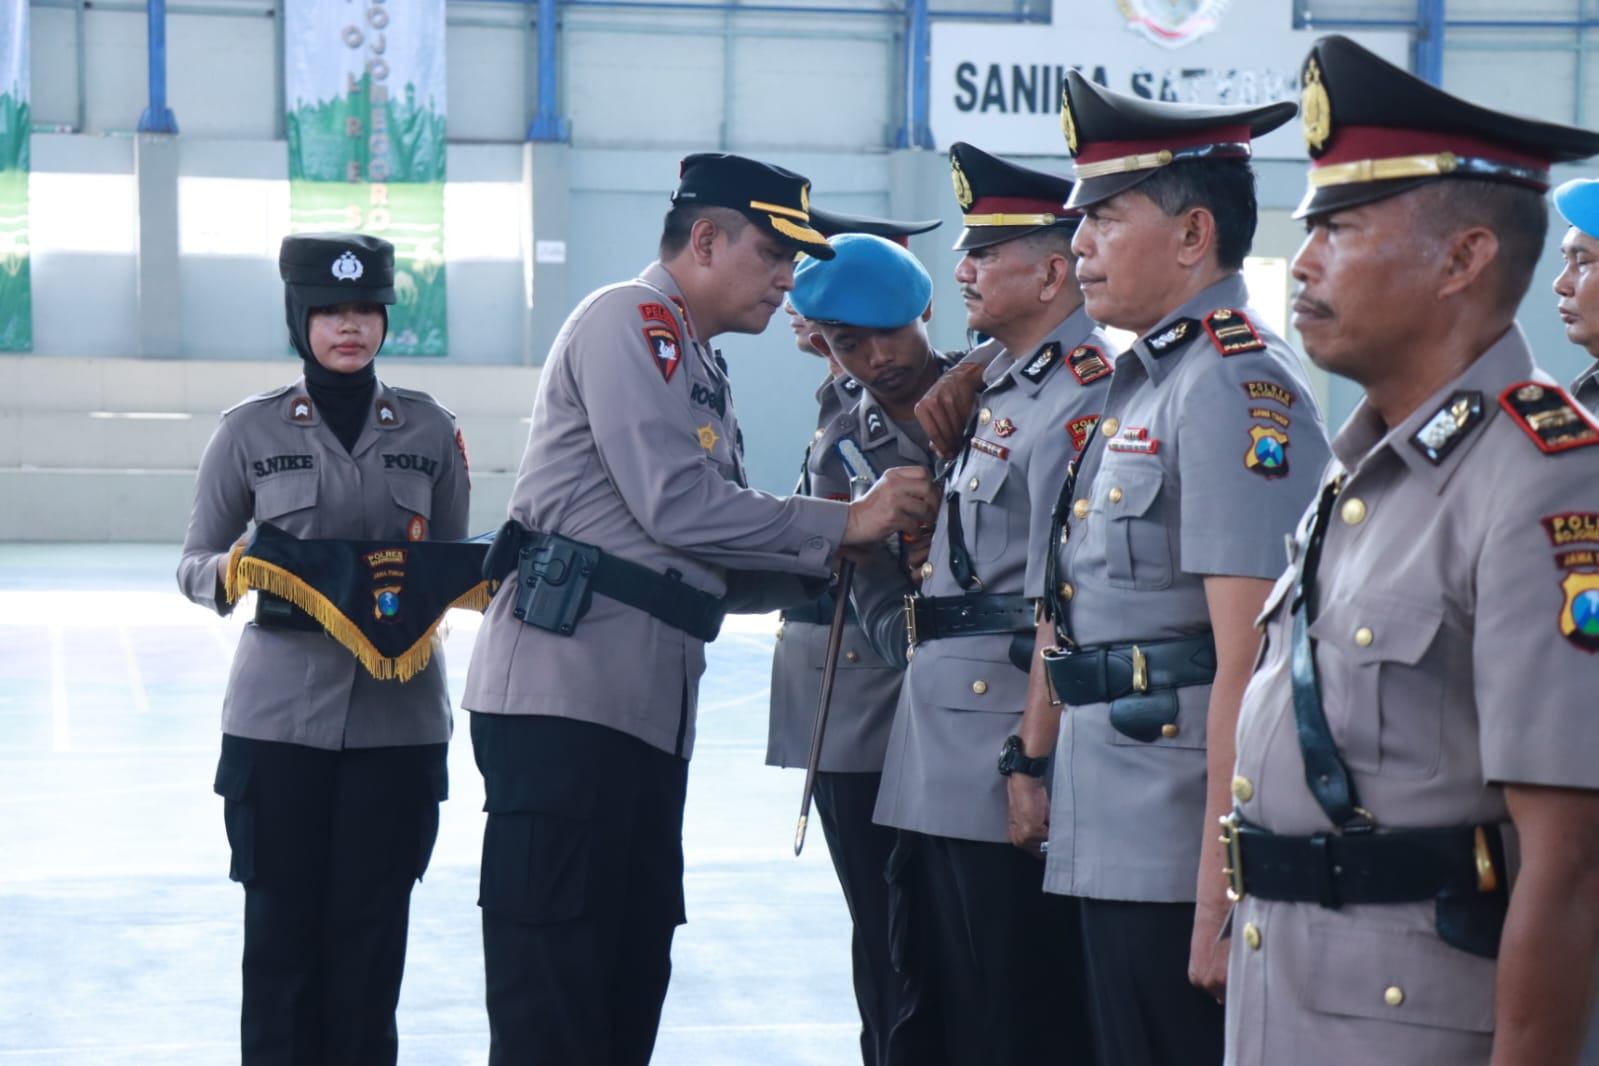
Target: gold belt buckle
<point x="1140" y="670"/>
<point x="1235" y="859"/>
<point x="910" y="620"/>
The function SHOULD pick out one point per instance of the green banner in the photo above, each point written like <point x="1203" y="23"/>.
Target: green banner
<point x="365" y="84"/>
<point x="16" y="284"/>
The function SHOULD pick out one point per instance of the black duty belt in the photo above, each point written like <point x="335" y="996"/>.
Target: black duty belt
<point x="275" y="612"/>
<point x="1104" y="673"/>
<point x="1332" y="869"/>
<point x="556" y="575"/>
<point x="819" y="612"/>
<point x="936" y="617"/>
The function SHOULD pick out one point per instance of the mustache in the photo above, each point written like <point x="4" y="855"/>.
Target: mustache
<point x="969" y="293"/>
<point x="1311" y="304"/>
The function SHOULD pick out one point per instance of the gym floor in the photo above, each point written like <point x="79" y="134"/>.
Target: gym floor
<point x="120" y="933"/>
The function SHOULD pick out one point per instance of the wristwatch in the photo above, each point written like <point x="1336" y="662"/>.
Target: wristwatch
<point x="1012" y="760"/>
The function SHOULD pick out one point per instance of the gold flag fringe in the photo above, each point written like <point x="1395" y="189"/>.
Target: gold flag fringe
<point x="249" y="573"/>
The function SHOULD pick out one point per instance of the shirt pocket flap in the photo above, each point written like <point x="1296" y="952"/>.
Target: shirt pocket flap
<point x="1128" y="493"/>
<point x="1404" y="976"/>
<point x="412" y="494"/>
<point x="976" y="684"/>
<point x="990" y="476"/>
<point x="285" y="494"/>
<point x="1379" y="630"/>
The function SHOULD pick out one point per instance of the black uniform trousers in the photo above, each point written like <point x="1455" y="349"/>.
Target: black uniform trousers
<point x="861" y="850"/>
<point x="581" y="890"/>
<point x="1145" y="1011"/>
<point x="328" y="845"/>
<point x="1001" y="958"/>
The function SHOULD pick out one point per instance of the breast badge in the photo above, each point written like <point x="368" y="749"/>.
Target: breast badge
<point x="1268" y="451"/>
<point x="707" y="436"/>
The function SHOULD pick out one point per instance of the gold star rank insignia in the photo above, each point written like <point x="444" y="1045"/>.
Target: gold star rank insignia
<point x="707" y="436"/>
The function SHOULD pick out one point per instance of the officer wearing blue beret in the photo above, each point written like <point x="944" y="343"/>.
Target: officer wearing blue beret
<point x="1577" y="284"/>
<point x="866" y="309"/>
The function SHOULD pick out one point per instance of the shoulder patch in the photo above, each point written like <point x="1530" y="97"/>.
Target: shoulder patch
<point x="1043" y="361"/>
<point x="1232" y="332"/>
<point x="1170" y="337"/>
<point x="1448" y="426"/>
<point x="1087" y="363"/>
<point x="661" y="334"/>
<point x="1547" y="415"/>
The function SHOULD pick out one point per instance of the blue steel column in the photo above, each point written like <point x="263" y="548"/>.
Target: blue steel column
<point x="548" y="125"/>
<point x="916" y="133"/>
<point x="157" y="118"/>
<point x="1428" y="52"/>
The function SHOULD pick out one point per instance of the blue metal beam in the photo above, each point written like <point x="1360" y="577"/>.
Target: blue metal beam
<point x="548" y="126"/>
<point x="916" y="132"/>
<point x="157" y="118"/>
<point x="1428" y="51"/>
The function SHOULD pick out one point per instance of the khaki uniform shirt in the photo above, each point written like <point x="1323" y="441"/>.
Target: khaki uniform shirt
<point x="1174" y="488"/>
<point x="272" y="459"/>
<point x="866" y="686"/>
<point x="635" y="448"/>
<point x="963" y="695"/>
<point x="1455" y="635"/>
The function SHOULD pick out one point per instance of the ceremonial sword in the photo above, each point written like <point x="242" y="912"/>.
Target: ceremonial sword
<point x="861" y="478"/>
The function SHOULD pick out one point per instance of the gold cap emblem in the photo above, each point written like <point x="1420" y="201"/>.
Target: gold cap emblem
<point x="1315" y="108"/>
<point x="805" y="197"/>
<point x="963" y="188"/>
<point x="1067" y="126"/>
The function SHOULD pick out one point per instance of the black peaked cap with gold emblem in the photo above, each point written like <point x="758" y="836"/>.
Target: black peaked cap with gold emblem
<point x="1000" y="200"/>
<point x="326" y="269"/>
<point x="1374" y="131"/>
<point x="775" y="199"/>
<point x="1119" y="140"/>
<point x="836" y="223"/>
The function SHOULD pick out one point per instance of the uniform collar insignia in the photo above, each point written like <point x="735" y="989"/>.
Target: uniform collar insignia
<point x="1448" y="426"/>
<point x="301" y="409"/>
<point x="1170" y="337"/>
<point x="876" y="425"/>
<point x="1042" y="362"/>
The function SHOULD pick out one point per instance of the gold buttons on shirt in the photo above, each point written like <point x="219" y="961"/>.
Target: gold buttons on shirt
<point x="972" y="484"/>
<point x="985" y="416"/>
<point x="1168" y="730"/>
<point x="979" y="687"/>
<point x="1110" y="426"/>
<point x="1066" y="590"/>
<point x="1393" y="995"/>
<point x="927" y="570"/>
<point x="1363" y="637"/>
<point x="1080" y="508"/>
<point x="852" y="656"/>
<point x="1252" y="936"/>
<point x="1353" y="511"/>
<point x="1243" y="789"/>
<point x="1115" y="495"/>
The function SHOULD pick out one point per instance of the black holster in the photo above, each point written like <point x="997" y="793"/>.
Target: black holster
<point x="552" y="582"/>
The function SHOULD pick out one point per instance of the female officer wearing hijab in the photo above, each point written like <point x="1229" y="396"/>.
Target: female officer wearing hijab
<point x="332" y="778"/>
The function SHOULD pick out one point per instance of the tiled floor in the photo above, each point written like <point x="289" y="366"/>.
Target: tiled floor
<point x="120" y="932"/>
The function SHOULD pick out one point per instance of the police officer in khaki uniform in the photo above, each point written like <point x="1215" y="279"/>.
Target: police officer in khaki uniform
<point x="1418" y="767"/>
<point x="1577" y="285"/>
<point x="631" y="528"/>
<point x="332" y="779"/>
<point x="868" y="307"/>
<point x="986" y="944"/>
<point x="1168" y="538"/>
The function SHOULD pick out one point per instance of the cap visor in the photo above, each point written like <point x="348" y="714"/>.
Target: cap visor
<point x="800" y="236"/>
<point x="984" y="236"/>
<point x="1090" y="191"/>
<point x="333" y="295"/>
<point x="1326" y="198"/>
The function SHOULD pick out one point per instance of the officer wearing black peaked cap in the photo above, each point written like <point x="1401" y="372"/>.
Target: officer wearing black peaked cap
<point x="332" y="778"/>
<point x="1415" y="842"/>
<point x="1167" y="539"/>
<point x="632" y="527"/>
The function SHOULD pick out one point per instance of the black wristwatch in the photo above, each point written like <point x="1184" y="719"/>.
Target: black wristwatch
<point x="1012" y="760"/>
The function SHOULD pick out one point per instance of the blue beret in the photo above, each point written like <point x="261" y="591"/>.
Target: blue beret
<point x="869" y="282"/>
<point x="1578" y="201"/>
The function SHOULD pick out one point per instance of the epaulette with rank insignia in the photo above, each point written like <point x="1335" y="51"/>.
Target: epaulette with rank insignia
<point x="1232" y="332"/>
<point x="1045" y="360"/>
<point x="1170" y="337"/>
<point x="1547" y="415"/>
<point x="1087" y="363"/>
